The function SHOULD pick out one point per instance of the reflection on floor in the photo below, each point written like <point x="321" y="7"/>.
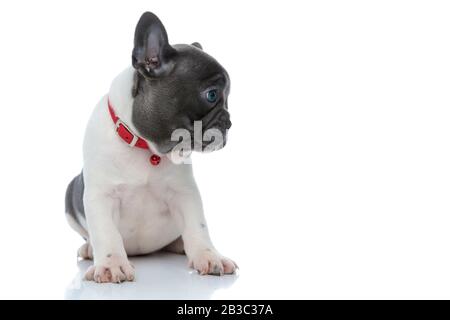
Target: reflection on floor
<point x="158" y="276"/>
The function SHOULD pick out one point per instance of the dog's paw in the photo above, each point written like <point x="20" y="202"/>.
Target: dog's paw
<point x="112" y="268"/>
<point x="209" y="261"/>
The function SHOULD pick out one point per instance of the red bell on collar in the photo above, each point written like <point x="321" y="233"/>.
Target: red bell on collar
<point x="155" y="160"/>
<point x="129" y="137"/>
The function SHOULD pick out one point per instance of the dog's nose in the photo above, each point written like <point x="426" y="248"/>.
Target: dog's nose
<point x="225" y="119"/>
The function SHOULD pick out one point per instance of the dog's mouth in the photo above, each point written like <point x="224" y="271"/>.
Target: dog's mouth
<point x="214" y="136"/>
<point x="213" y="144"/>
<point x="209" y="140"/>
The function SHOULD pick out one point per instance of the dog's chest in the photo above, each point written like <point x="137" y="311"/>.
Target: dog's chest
<point x="143" y="218"/>
<point x="143" y="194"/>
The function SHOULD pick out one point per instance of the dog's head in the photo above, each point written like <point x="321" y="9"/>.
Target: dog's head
<point x="176" y="86"/>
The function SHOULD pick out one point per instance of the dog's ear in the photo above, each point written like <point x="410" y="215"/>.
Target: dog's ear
<point x="197" y="45"/>
<point x="152" y="55"/>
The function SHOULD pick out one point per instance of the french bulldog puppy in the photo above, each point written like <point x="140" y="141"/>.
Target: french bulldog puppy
<point x="131" y="198"/>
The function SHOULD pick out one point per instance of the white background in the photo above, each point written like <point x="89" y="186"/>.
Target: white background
<point x="336" y="176"/>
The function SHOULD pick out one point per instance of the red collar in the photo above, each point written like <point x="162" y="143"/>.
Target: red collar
<point x="129" y="137"/>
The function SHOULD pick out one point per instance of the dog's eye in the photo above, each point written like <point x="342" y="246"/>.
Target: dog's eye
<point x="211" y="96"/>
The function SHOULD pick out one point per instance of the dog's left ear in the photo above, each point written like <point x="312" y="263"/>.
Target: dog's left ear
<point x="152" y="54"/>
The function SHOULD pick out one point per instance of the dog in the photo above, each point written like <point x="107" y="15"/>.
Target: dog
<point x="131" y="197"/>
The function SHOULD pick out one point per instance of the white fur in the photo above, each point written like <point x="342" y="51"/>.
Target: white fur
<point x="133" y="207"/>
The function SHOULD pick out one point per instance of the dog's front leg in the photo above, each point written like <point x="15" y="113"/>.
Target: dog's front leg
<point x="197" y="243"/>
<point x="110" y="259"/>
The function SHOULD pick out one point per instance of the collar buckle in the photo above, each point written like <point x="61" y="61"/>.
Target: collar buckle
<point x="135" y="138"/>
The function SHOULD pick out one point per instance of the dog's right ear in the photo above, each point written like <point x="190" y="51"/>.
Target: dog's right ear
<point x="152" y="54"/>
<point x="197" y="45"/>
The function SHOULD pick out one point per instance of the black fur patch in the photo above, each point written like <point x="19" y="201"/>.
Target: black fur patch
<point x="74" y="199"/>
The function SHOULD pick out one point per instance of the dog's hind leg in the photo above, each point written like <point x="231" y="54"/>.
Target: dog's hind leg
<point x="85" y="251"/>
<point x="75" y="214"/>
